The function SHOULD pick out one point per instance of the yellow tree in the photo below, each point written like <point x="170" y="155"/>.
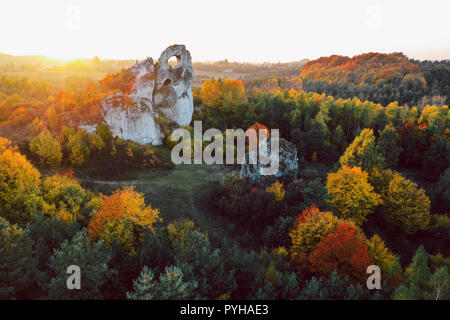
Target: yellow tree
<point x="309" y="228"/>
<point x="211" y="93"/>
<point x="47" y="148"/>
<point x="234" y="91"/>
<point x="19" y="185"/>
<point x="63" y="196"/>
<point x="277" y="191"/>
<point x="362" y="152"/>
<point x="352" y="195"/>
<point x="407" y="206"/>
<point x="75" y="146"/>
<point x="382" y="256"/>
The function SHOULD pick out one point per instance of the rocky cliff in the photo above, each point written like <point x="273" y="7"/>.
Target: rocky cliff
<point x="158" y="92"/>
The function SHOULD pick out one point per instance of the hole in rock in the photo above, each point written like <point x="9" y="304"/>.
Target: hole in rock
<point x="174" y="61"/>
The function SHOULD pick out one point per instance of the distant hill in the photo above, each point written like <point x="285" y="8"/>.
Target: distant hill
<point x="42" y="68"/>
<point x="7" y="59"/>
<point x="378" y="77"/>
<point x="368" y="68"/>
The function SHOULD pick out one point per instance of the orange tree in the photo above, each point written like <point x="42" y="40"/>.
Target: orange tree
<point x="343" y="250"/>
<point x="124" y="218"/>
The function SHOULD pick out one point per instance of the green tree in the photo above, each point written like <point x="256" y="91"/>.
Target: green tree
<point x="441" y="192"/>
<point x="419" y="283"/>
<point x="104" y="132"/>
<point x="339" y="139"/>
<point x="393" y="113"/>
<point x="17" y="264"/>
<point x="316" y="193"/>
<point x="437" y="158"/>
<point x="169" y="287"/>
<point x="93" y="262"/>
<point x="201" y="262"/>
<point x="334" y="288"/>
<point x="440" y="284"/>
<point x="387" y="146"/>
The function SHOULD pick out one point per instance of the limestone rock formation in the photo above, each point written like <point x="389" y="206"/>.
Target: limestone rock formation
<point x="288" y="165"/>
<point x="173" y="94"/>
<point x="158" y="90"/>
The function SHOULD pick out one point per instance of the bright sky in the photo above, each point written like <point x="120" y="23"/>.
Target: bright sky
<point x="239" y="30"/>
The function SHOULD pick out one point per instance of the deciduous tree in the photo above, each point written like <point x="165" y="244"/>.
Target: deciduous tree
<point x="352" y="195"/>
<point x="407" y="206"/>
<point x="19" y="186"/>
<point x="342" y="250"/>
<point x="387" y="146"/>
<point x="309" y="229"/>
<point x="123" y="217"/>
<point x="362" y="152"/>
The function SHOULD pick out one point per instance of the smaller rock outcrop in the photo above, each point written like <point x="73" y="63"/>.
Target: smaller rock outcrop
<point x="288" y="165"/>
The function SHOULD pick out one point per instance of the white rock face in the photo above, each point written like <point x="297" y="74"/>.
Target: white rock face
<point x="158" y="88"/>
<point x="136" y="125"/>
<point x="287" y="159"/>
<point x="173" y="93"/>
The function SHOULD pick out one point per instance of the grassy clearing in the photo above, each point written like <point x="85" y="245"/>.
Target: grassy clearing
<point x="178" y="193"/>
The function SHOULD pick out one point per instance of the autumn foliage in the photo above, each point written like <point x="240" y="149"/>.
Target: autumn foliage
<point x="216" y="92"/>
<point x="309" y="228"/>
<point x="343" y="250"/>
<point x="277" y="191"/>
<point x="352" y="194"/>
<point x="361" y="69"/>
<point x="123" y="217"/>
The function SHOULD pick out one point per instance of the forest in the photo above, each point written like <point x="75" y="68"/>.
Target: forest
<point x="372" y="134"/>
<point x="381" y="78"/>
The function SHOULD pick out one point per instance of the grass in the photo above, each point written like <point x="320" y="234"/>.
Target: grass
<point x="179" y="194"/>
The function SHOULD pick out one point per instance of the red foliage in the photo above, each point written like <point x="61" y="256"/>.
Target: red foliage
<point x="305" y="214"/>
<point x="344" y="251"/>
<point x="423" y="126"/>
<point x="107" y="79"/>
<point x="112" y="209"/>
<point x="62" y="96"/>
<point x="67" y="172"/>
<point x="258" y="126"/>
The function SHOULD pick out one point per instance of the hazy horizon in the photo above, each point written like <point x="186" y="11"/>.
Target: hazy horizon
<point x="426" y="55"/>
